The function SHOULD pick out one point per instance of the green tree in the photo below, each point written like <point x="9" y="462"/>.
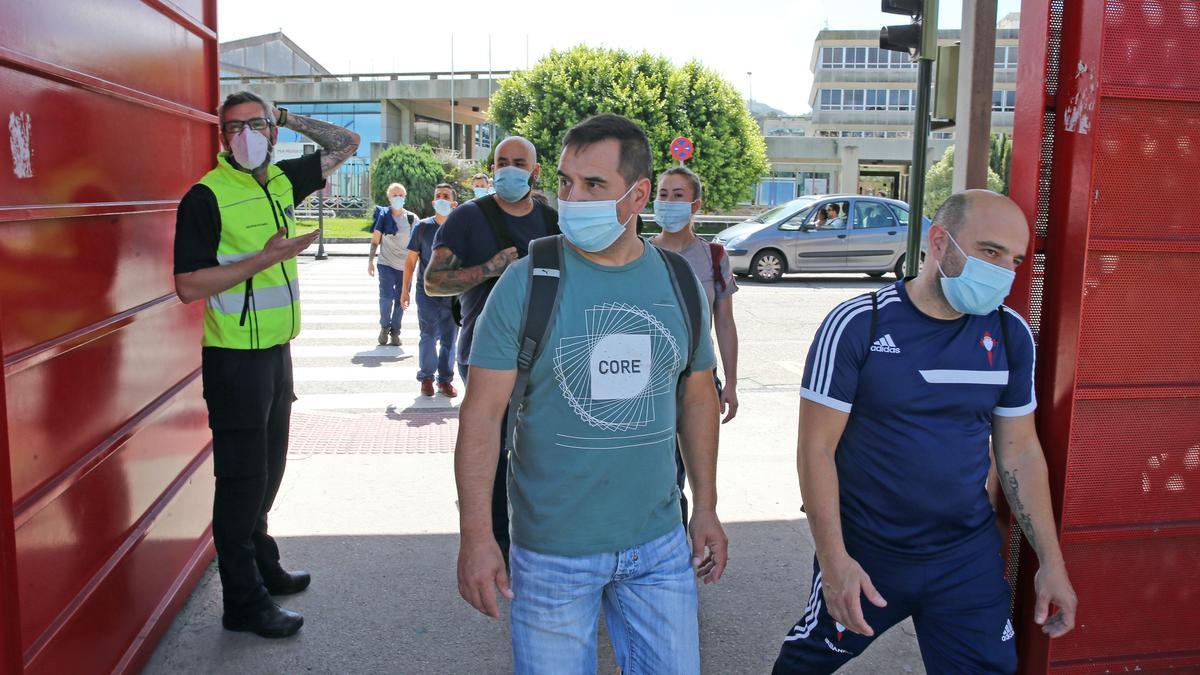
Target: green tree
<point x="564" y="88"/>
<point x="1000" y="158"/>
<point x="939" y="180"/>
<point x="416" y="168"/>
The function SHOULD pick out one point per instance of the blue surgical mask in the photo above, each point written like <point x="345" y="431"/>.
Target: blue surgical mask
<point x="980" y="288"/>
<point x="512" y="183"/>
<point x="442" y="207"/>
<point x="672" y="216"/>
<point x="592" y="226"/>
<point x="481" y="192"/>
<point x="397" y="202"/>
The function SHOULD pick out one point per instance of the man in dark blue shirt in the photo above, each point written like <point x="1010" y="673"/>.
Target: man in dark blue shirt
<point x="904" y="389"/>
<point x="469" y="256"/>
<point x="435" y="352"/>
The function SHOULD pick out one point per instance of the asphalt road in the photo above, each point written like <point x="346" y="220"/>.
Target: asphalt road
<point x="368" y="505"/>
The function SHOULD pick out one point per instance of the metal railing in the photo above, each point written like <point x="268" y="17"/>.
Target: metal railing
<point x="369" y="77"/>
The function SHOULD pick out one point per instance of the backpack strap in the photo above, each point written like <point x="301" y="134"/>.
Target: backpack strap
<point x="541" y="303"/>
<point x="683" y="281"/>
<point x="495" y="220"/>
<point x="717" y="253"/>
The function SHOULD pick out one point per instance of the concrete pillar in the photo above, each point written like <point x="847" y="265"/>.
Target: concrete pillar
<point x="848" y="179"/>
<point x="406" y="125"/>
<point x="973" y="117"/>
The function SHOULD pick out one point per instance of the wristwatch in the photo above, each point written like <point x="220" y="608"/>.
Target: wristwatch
<point x="282" y="116"/>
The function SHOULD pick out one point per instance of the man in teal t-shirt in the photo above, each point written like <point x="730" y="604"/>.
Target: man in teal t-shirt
<point x="594" y="502"/>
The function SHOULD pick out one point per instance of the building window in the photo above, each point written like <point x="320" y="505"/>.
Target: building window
<point x="428" y="131"/>
<point x="865" y="99"/>
<point x="863" y="57"/>
<point x="772" y="191"/>
<point x="1006" y="57"/>
<point x="1004" y="100"/>
<point x="362" y="117"/>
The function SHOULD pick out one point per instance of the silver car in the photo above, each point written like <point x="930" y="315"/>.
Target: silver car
<point x="823" y="233"/>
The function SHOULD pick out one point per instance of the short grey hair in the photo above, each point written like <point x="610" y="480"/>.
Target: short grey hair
<point x="952" y="214"/>
<point x="240" y="97"/>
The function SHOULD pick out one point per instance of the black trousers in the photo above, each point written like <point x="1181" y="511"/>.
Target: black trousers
<point x="249" y="395"/>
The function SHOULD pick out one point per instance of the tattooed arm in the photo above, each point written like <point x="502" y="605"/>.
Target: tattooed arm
<point x="337" y="143"/>
<point x="446" y="275"/>
<point x="1023" y="476"/>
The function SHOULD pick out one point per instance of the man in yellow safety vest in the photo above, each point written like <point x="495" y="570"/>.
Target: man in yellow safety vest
<point x="236" y="248"/>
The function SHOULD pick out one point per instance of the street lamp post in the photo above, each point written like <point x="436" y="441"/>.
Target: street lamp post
<point x="750" y="89"/>
<point x="320" y="226"/>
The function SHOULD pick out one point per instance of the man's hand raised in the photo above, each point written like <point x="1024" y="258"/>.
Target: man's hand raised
<point x="842" y="584"/>
<point x="280" y="248"/>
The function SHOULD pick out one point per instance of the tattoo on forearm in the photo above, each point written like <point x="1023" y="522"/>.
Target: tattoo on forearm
<point x="446" y="276"/>
<point x="337" y="143"/>
<point x="1012" y="490"/>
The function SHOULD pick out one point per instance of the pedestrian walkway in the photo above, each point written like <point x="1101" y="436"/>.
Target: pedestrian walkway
<point x="368" y="506"/>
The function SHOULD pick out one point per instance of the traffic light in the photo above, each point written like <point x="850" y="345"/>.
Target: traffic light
<point x="918" y="38"/>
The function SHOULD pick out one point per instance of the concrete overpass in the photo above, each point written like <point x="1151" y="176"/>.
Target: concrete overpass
<point x="458" y="99"/>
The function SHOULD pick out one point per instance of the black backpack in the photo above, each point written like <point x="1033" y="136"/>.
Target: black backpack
<point x="541" y="303"/>
<point x="496" y="220"/>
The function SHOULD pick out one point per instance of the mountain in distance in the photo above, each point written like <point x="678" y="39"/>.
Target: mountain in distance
<point x="760" y="109"/>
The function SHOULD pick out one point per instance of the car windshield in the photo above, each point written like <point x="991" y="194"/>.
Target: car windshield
<point x="780" y="212"/>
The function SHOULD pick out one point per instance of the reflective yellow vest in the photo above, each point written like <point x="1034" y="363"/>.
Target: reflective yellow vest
<point x="263" y="311"/>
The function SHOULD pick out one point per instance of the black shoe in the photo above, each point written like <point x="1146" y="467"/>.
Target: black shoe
<point x="271" y="621"/>
<point x="289" y="583"/>
<point x="383" y="335"/>
<point x="395" y="335"/>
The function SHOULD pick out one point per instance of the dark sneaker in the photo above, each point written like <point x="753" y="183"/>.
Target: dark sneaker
<point x="447" y="389"/>
<point x="384" y="333"/>
<point x="271" y="621"/>
<point x="395" y="335"/>
<point x="427" y="387"/>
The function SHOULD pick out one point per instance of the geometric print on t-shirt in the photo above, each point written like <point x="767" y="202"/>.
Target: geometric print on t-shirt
<point x="610" y="375"/>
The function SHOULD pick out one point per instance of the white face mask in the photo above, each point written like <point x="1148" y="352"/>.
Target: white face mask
<point x="250" y="149"/>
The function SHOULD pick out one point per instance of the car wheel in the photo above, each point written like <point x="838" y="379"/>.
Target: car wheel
<point x="899" y="271"/>
<point x="767" y="266"/>
<point x="874" y="275"/>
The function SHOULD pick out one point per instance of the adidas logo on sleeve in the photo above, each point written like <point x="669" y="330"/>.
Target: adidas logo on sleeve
<point x="885" y="345"/>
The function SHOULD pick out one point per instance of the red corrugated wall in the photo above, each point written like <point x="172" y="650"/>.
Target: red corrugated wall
<point x="1105" y="159"/>
<point x="105" y="477"/>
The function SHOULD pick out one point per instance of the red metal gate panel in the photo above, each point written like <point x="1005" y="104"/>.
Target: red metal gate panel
<point x="104" y="448"/>
<point x="1106" y="150"/>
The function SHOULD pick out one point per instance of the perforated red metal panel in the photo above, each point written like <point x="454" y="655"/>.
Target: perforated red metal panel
<point x="1114" y="110"/>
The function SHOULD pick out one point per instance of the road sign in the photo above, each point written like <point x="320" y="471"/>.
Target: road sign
<point x="682" y="148"/>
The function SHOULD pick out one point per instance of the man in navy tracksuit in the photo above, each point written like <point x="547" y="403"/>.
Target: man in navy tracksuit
<point x="902" y="391"/>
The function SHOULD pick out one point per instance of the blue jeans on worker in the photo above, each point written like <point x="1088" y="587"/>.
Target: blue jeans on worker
<point x="649" y="596"/>
<point x="391" y="281"/>
<point x="958" y="601"/>
<point x="438" y="334"/>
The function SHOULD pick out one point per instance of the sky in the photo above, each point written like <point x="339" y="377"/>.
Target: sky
<point x="764" y="47"/>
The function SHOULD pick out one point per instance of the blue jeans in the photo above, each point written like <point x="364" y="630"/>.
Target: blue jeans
<point x="391" y="280"/>
<point x="650" y="607"/>
<point x="437" y="326"/>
